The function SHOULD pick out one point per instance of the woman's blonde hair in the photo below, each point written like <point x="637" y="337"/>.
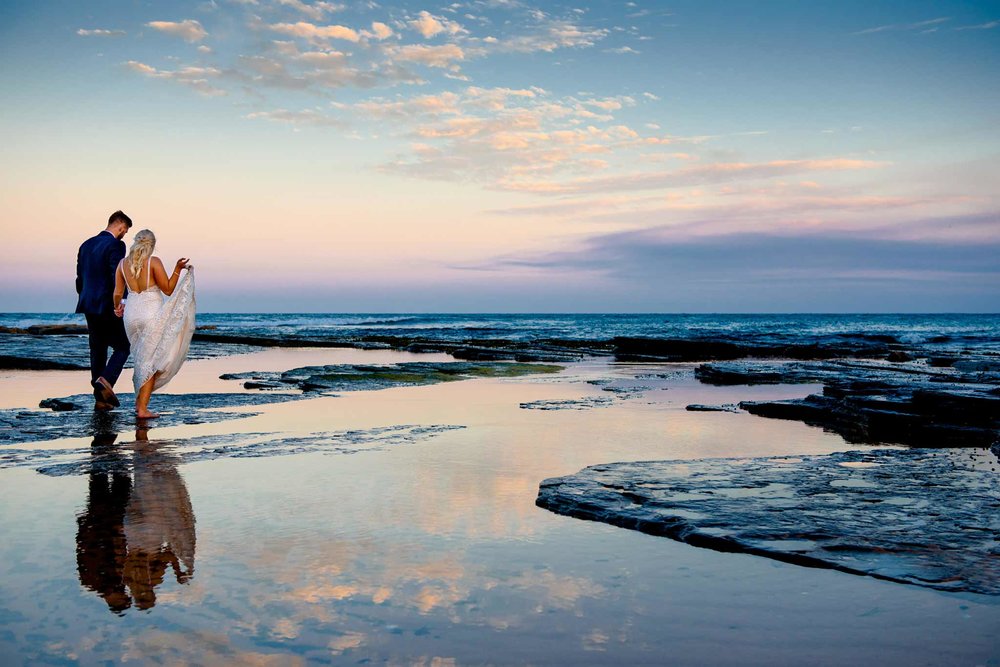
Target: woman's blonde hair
<point x="142" y="248"/>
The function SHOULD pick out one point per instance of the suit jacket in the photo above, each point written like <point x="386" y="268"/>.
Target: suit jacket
<point x="96" y="263"/>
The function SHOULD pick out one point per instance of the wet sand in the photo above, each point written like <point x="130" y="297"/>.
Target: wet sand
<point x="430" y="550"/>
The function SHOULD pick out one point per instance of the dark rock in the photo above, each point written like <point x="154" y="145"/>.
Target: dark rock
<point x="946" y="421"/>
<point x="873" y="401"/>
<point x="569" y="404"/>
<point x="698" y="407"/>
<point x="654" y="349"/>
<point x="57" y="329"/>
<point x="710" y="349"/>
<point x="899" y="356"/>
<point x="12" y="363"/>
<point x="977" y="366"/>
<point x="58" y="405"/>
<point x="720" y="375"/>
<point x="922" y="517"/>
<point x="362" y="377"/>
<point x="482" y="354"/>
<point x="70" y="351"/>
<point x="264" y="341"/>
<point x="263" y="385"/>
<point x="429" y="348"/>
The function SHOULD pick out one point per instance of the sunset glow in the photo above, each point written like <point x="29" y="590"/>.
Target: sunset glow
<point x="500" y="155"/>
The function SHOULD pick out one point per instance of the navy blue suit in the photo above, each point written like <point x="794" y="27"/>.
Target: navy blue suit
<point x="96" y="263"/>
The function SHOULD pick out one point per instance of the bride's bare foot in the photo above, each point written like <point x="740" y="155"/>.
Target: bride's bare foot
<point x="146" y="414"/>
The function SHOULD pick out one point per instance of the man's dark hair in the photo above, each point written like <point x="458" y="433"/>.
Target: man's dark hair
<point x="118" y="216"/>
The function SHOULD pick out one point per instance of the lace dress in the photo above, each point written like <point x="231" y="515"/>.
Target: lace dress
<point x="159" y="329"/>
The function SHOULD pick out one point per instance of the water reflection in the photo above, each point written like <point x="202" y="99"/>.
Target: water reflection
<point x="138" y="521"/>
<point x="100" y="536"/>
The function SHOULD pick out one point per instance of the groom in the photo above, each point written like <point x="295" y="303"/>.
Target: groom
<point x="96" y="263"/>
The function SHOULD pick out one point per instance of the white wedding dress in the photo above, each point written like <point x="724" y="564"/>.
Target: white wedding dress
<point x="159" y="329"/>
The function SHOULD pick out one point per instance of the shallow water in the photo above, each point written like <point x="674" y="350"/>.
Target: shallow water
<point x="430" y="551"/>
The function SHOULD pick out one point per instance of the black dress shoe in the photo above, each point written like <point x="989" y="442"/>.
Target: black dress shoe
<point x="105" y="395"/>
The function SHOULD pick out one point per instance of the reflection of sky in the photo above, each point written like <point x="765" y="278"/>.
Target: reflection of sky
<point x="436" y="157"/>
<point x="436" y="550"/>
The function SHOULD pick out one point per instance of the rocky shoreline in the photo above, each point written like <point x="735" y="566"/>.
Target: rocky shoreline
<point x="880" y="402"/>
<point x="876" y="388"/>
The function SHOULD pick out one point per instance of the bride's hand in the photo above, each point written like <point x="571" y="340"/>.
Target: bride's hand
<point x="182" y="263"/>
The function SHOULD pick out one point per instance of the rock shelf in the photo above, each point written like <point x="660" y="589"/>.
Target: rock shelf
<point x="915" y="516"/>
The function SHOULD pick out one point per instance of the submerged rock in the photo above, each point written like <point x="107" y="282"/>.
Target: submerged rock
<point x="61" y="420"/>
<point x="360" y="377"/>
<point x="83" y="460"/>
<point x="923" y="517"/>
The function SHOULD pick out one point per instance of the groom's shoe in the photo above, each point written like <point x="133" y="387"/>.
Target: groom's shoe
<point x="105" y="394"/>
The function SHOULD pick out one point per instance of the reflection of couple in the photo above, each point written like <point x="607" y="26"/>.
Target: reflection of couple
<point x="135" y="526"/>
<point x="156" y="330"/>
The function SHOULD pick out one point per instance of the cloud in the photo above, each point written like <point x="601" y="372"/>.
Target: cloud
<point x="553" y="35"/>
<point x="379" y="31"/>
<point x="282" y="64"/>
<point x="189" y="30"/>
<point x="982" y="26"/>
<point x="315" y="32"/>
<point x="496" y="99"/>
<point x="904" y="26"/>
<point x="193" y="77"/>
<point x="432" y="56"/>
<point x="518" y="138"/>
<point x="406" y="109"/>
<point x="777" y="209"/>
<point x="622" y="49"/>
<point x="99" y="32"/>
<point x="752" y="271"/>
<point x="429" y="25"/>
<point x="712" y="173"/>
<point x="315" y="10"/>
<point x="306" y="117"/>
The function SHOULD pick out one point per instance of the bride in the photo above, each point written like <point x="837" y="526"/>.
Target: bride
<point x="159" y="330"/>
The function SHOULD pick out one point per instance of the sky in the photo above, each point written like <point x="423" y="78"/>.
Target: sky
<point x="511" y="156"/>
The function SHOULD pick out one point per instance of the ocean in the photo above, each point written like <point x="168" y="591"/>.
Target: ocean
<point x="979" y="331"/>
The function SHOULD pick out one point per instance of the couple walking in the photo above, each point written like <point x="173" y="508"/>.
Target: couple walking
<point x="157" y="331"/>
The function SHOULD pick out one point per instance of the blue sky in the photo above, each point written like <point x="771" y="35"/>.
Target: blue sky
<point x="506" y="155"/>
